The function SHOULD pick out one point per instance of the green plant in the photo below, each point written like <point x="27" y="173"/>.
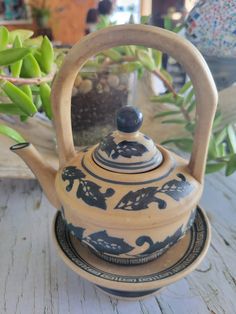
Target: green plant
<point x="27" y="67"/>
<point x="222" y="147"/>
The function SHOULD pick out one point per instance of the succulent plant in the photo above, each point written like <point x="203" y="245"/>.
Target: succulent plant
<point x="28" y="65"/>
<point x="222" y="147"/>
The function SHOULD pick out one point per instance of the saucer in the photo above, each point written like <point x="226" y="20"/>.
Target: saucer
<point x="131" y="282"/>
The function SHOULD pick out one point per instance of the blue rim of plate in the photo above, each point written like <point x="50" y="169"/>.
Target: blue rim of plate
<point x="197" y="248"/>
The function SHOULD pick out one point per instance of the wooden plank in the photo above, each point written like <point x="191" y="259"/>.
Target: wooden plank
<point x="34" y="280"/>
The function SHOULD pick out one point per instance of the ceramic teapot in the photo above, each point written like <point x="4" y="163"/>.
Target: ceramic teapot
<point x="126" y="198"/>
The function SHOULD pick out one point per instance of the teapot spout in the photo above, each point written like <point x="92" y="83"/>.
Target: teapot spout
<point x="41" y="169"/>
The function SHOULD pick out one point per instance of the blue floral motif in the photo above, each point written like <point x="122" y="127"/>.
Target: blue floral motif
<point x="126" y="149"/>
<point x="140" y="199"/>
<point x="100" y="241"/>
<point x="159" y="246"/>
<point x="87" y="190"/>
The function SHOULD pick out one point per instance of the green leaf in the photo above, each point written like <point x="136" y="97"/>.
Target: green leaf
<point x="47" y="55"/>
<point x="167" y="76"/>
<point x="27" y="90"/>
<point x="179" y="100"/>
<point x="214" y="167"/>
<point x="189" y="96"/>
<point x="231" y="139"/>
<point x="18" y="97"/>
<point x="222" y="149"/>
<point x="91" y="64"/>
<point x="191" y="106"/>
<point x="174" y="121"/>
<point x="23" y="34"/>
<point x="13" y="55"/>
<point x="231" y="165"/>
<point x="157" y="57"/>
<point x="121" y="49"/>
<point x="217" y="119"/>
<point x="146" y="60"/>
<point x="38" y="57"/>
<point x="38" y="101"/>
<point x="14" y="135"/>
<point x="45" y="93"/>
<point x="190" y="127"/>
<point x="185" y="144"/>
<point x="166" y="98"/>
<point x="112" y="54"/>
<point x="59" y="60"/>
<point x="10" y="109"/>
<point x="221" y="136"/>
<point x="133" y="49"/>
<point x="16" y="67"/>
<point x="34" y="42"/>
<point x="212" y="150"/>
<point x="129" y="67"/>
<point x="4" y="35"/>
<point x="167" y="113"/>
<point x="130" y="50"/>
<point x="31" y="67"/>
<point x="186" y="87"/>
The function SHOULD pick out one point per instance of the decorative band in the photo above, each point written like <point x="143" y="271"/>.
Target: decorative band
<point x="131" y="166"/>
<point x="129" y="183"/>
<point x="128" y="261"/>
<point x="96" y="154"/>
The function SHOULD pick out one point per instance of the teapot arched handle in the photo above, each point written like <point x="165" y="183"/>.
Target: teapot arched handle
<point x="180" y="49"/>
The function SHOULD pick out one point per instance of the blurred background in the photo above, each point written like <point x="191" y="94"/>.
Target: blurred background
<point x="127" y="75"/>
<point x="65" y="21"/>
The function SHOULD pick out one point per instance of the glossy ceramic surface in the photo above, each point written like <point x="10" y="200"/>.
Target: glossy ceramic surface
<point x="136" y="281"/>
<point x="127" y="150"/>
<point x="131" y="218"/>
<point x="126" y="198"/>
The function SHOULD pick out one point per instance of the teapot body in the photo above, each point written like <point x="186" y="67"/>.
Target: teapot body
<point x="127" y="199"/>
<point x="130" y="210"/>
<point x="128" y="218"/>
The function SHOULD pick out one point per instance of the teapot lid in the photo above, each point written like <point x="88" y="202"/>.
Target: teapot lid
<point x="127" y="150"/>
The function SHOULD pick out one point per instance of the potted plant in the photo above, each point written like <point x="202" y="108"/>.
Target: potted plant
<point x="28" y="67"/>
<point x="106" y="83"/>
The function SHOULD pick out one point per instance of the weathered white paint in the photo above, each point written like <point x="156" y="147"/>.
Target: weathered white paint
<point x="34" y="280"/>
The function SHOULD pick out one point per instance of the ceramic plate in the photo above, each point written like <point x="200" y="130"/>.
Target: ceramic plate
<point x="141" y="280"/>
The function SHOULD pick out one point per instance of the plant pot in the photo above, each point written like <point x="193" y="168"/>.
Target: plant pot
<point x="97" y="95"/>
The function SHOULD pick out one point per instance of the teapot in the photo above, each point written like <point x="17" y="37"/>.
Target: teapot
<point x="126" y="198"/>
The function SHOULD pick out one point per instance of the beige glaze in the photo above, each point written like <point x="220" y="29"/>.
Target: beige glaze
<point x="141" y="209"/>
<point x="41" y="169"/>
<point x="175" y="253"/>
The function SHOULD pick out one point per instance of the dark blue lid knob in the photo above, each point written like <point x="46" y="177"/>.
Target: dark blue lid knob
<point x="129" y="119"/>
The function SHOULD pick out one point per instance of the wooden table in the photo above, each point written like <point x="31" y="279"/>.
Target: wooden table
<point x="33" y="279"/>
